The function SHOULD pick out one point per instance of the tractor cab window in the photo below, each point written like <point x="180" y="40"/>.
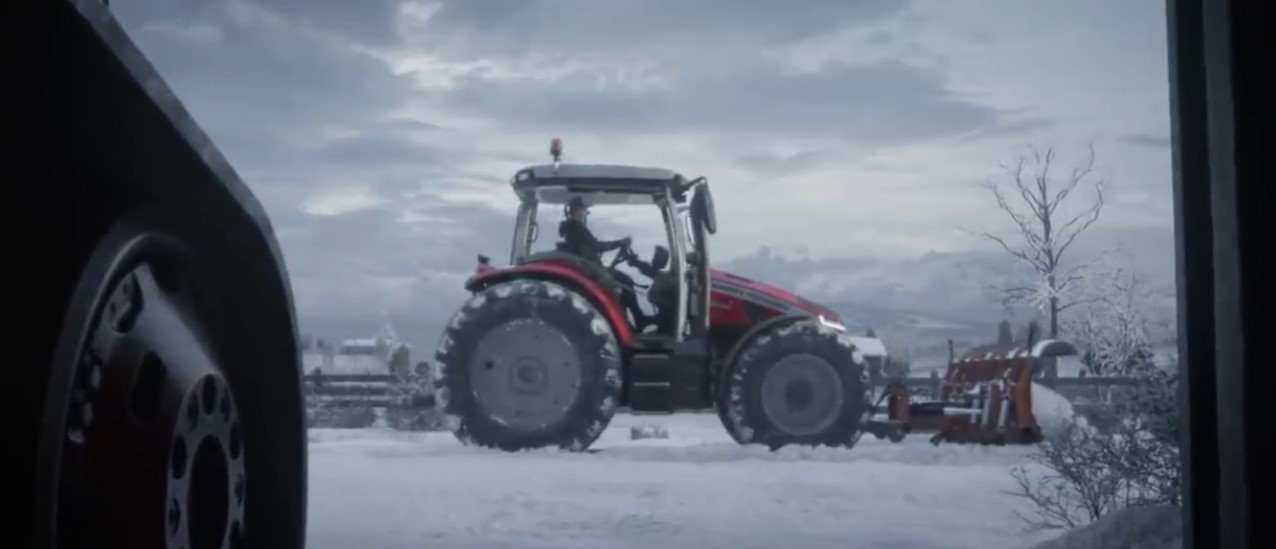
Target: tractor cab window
<point x="611" y="217"/>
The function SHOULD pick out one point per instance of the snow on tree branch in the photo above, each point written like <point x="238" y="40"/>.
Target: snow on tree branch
<point x="1120" y="321"/>
<point x="1034" y="200"/>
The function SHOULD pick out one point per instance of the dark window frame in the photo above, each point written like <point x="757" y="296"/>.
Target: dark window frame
<point x="1217" y="212"/>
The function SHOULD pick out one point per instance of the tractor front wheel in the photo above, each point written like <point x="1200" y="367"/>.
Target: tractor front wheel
<point x="528" y="364"/>
<point x="797" y="383"/>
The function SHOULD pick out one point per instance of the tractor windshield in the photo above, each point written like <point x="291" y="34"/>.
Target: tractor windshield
<point x="614" y="218"/>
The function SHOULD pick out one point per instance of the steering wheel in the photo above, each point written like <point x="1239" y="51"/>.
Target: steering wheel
<point x="622" y="254"/>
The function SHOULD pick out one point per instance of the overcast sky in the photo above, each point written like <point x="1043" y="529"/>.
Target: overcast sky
<point x="381" y="135"/>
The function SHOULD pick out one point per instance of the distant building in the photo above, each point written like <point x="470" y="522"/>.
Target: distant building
<point x="875" y="355"/>
<point x="354" y="356"/>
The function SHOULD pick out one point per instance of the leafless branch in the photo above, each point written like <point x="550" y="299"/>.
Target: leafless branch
<point x="1052" y="509"/>
<point x="1041" y="239"/>
<point x="1068" y="305"/>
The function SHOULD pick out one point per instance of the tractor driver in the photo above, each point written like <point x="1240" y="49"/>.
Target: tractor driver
<point x="579" y="240"/>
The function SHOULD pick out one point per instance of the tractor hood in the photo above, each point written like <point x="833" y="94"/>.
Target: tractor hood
<point x="769" y="296"/>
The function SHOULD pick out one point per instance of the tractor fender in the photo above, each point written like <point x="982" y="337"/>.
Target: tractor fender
<point x="565" y="274"/>
<point x="756" y="330"/>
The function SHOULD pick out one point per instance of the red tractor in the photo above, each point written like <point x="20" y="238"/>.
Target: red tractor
<point x="543" y="353"/>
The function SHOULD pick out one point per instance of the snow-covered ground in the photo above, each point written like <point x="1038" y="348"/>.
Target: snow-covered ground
<point x="375" y="488"/>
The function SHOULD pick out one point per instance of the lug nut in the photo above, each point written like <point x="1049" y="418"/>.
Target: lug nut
<point x="174" y="515"/>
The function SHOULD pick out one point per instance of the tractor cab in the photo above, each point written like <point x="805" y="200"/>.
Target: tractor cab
<point x="679" y="293"/>
<point x="680" y="290"/>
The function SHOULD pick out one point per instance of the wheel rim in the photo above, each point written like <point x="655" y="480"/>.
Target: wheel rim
<point x="145" y="440"/>
<point x="525" y="374"/>
<point x="802" y="395"/>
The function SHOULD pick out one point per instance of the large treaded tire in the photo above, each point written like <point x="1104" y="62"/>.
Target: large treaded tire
<point x="553" y="307"/>
<point x="740" y="400"/>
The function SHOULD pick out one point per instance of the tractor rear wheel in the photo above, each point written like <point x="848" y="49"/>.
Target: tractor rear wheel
<point x="797" y="383"/>
<point x="528" y="364"/>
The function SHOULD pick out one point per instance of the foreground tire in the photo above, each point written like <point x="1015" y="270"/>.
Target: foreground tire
<point x="155" y="432"/>
<point x="797" y="383"/>
<point x="528" y="364"/>
<point x="116" y="199"/>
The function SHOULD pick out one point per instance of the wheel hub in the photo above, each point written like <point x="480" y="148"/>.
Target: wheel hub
<point x="528" y="376"/>
<point x="802" y="395"/>
<point x="525" y="374"/>
<point x="151" y="451"/>
<point x="798" y="394"/>
<point x="206" y="475"/>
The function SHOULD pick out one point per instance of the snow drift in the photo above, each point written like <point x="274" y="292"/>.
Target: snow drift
<point x="1157" y="527"/>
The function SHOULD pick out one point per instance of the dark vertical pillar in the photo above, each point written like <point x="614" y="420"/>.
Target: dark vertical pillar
<point x="1236" y="208"/>
<point x="1193" y="232"/>
<point x="1219" y="202"/>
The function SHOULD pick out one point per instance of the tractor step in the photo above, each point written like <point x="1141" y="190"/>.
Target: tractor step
<point x="665" y="383"/>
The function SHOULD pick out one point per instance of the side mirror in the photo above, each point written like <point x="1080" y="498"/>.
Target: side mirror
<point x="702" y="210"/>
<point x="660" y="258"/>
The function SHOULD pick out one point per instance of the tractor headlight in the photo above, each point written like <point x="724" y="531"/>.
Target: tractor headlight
<point x="832" y="324"/>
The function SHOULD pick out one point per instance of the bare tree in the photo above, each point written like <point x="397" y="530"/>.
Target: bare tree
<point x="1044" y="233"/>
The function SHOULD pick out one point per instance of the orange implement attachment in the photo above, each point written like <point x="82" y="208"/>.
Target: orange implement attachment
<point x="984" y="398"/>
<point x="988" y="401"/>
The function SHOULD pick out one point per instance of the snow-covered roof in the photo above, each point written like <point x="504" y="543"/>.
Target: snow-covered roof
<point x="1041" y="349"/>
<point x="868" y="346"/>
<point x="366" y="342"/>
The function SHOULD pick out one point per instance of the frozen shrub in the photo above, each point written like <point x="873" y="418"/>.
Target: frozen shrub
<point x="1083" y="473"/>
<point x="416" y="409"/>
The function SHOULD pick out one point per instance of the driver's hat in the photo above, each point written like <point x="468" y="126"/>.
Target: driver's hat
<point x="577" y="203"/>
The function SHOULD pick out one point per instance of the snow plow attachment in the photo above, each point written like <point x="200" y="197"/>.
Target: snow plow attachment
<point x="985" y="397"/>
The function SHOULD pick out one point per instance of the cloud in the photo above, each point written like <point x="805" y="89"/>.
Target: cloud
<point x="348" y="266"/>
<point x="501" y="28"/>
<point x="341" y="201"/>
<point x="1155" y="141"/>
<point x="883" y="104"/>
<point x="369" y="22"/>
<point x="383" y="146"/>
<point x="270" y="86"/>
<point x="667" y="67"/>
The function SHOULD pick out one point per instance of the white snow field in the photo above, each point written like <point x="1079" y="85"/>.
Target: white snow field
<point x="696" y="489"/>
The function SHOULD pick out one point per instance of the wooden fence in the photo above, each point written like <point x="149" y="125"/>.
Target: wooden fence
<point x="364" y="391"/>
<point x="391" y="391"/>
